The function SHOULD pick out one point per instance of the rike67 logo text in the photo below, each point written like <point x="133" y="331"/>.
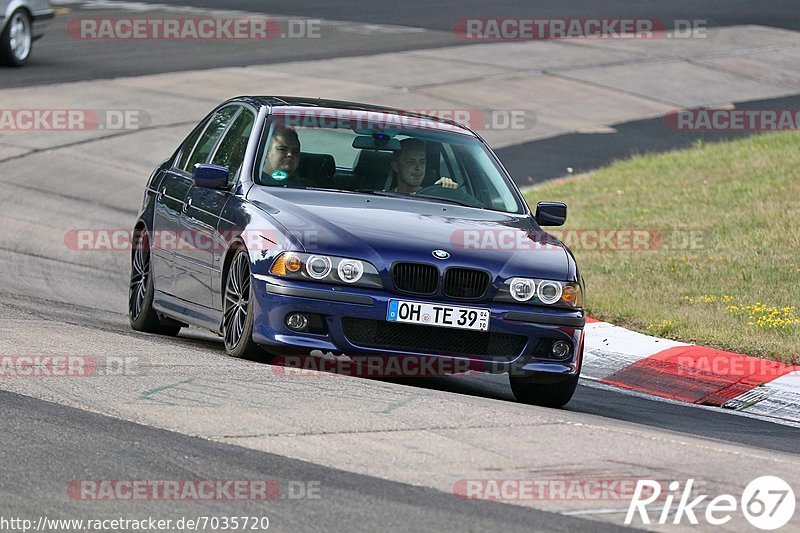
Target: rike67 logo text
<point x="768" y="503"/>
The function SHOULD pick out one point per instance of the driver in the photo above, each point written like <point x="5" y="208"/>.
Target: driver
<point x="282" y="161"/>
<point x="409" y="166"/>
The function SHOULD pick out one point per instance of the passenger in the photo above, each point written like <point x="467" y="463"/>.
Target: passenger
<point x="409" y="166"/>
<point x="283" y="160"/>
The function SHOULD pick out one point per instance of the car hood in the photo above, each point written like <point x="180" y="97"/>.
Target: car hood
<point x="385" y="230"/>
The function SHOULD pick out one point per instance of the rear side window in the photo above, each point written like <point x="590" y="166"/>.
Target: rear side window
<point x="230" y="152"/>
<point x="207" y="140"/>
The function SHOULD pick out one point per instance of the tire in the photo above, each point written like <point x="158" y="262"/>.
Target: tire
<point x="16" y="41"/>
<point x="237" y="306"/>
<point x="556" y="394"/>
<point x="140" y="291"/>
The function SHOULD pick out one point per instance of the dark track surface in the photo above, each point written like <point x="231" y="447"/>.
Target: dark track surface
<point x="442" y="15"/>
<point x="546" y="159"/>
<point x="46" y="447"/>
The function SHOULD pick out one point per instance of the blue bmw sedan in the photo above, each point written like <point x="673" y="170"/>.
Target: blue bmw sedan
<point x="291" y="225"/>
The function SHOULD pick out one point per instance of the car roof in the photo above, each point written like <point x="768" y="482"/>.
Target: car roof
<point x="296" y="103"/>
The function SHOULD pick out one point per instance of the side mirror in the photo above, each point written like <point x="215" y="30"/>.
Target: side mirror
<point x="210" y="176"/>
<point x="551" y="213"/>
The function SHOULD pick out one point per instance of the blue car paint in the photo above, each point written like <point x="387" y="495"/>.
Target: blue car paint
<point x="377" y="229"/>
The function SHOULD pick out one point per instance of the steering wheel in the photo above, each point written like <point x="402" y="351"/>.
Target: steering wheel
<point x="437" y="191"/>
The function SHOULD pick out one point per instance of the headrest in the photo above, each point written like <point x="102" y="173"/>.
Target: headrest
<point x="319" y="168"/>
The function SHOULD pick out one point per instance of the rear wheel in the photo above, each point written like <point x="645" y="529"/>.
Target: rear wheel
<point x="140" y="293"/>
<point x="16" y="41"/>
<point x="527" y="390"/>
<point x="237" y="318"/>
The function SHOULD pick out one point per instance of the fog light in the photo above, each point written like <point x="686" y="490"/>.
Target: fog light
<point x="560" y="350"/>
<point x="297" y="321"/>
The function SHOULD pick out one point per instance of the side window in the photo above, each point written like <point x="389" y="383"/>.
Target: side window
<point x="209" y="138"/>
<point x="188" y="145"/>
<point x="230" y="152"/>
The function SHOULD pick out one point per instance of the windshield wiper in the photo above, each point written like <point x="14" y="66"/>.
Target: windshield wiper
<point x="439" y="199"/>
<point x="329" y="189"/>
<point x="392" y="194"/>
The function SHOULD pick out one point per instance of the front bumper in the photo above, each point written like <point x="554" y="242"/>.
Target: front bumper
<point x="41" y="21"/>
<point x="275" y="298"/>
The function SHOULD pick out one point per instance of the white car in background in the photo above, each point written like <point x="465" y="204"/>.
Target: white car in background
<point x="21" y="23"/>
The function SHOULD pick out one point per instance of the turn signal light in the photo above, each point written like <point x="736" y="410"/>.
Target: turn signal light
<point x="279" y="266"/>
<point x="572" y="295"/>
<point x="293" y="263"/>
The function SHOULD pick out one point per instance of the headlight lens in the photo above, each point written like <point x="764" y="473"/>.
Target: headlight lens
<point x="522" y="289"/>
<point x="541" y="292"/>
<point x="318" y="266"/>
<point x="350" y="270"/>
<point x="326" y="268"/>
<point x="549" y="292"/>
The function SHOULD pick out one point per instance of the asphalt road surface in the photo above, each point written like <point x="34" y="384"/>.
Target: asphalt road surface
<point x="368" y="29"/>
<point x="386" y="455"/>
<point x="57" y="451"/>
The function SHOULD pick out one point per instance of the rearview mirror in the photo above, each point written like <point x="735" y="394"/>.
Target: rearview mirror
<point x="210" y="176"/>
<point x="376" y="141"/>
<point x="551" y="213"/>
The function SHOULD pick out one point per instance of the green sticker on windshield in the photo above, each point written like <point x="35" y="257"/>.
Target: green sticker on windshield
<point x="279" y="175"/>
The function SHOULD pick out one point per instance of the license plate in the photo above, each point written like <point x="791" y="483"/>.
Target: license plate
<point x="448" y="316"/>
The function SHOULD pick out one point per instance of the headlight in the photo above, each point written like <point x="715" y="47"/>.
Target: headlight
<point x="542" y="292"/>
<point x="549" y="292"/>
<point x="318" y="266"/>
<point x="350" y="270"/>
<point x="326" y="268"/>
<point x="522" y="289"/>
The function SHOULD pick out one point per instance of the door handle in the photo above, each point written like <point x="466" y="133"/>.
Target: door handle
<point x="161" y="193"/>
<point x="187" y="205"/>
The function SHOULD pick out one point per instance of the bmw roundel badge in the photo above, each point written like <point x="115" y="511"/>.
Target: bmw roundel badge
<point x="440" y="254"/>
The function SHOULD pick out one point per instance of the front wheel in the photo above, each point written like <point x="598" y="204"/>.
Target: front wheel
<point x="527" y="390"/>
<point x="237" y="318"/>
<point x="16" y="41"/>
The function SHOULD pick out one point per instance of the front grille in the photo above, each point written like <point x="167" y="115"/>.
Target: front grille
<point x="432" y="340"/>
<point x="415" y="278"/>
<point x="465" y="283"/>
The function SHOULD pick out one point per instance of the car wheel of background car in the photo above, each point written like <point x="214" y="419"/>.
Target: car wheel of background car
<point x="237" y="318"/>
<point x="140" y="295"/>
<point x="558" y="394"/>
<point x="17" y="39"/>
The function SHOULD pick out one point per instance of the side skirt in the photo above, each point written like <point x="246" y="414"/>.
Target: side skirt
<point x="183" y="311"/>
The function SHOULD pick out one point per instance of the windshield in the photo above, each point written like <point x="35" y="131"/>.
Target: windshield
<point x="405" y="161"/>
